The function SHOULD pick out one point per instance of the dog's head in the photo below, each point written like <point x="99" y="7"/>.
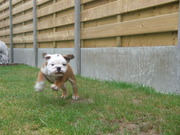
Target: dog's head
<point x="57" y="63"/>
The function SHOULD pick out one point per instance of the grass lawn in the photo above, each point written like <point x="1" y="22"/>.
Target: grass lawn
<point x="103" y="108"/>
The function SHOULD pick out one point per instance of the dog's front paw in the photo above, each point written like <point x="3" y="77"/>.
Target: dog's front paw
<point x="75" y="97"/>
<point x="54" y="87"/>
<point x="64" y="96"/>
<point x="39" y="86"/>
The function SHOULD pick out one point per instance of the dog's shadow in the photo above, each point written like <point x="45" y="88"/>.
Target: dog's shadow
<point x="54" y="99"/>
<point x="46" y="99"/>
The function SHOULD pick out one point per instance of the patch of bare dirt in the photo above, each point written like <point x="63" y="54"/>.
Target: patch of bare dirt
<point x="83" y="101"/>
<point x="125" y="127"/>
<point x="136" y="101"/>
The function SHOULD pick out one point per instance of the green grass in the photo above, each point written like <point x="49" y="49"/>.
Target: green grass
<point x="103" y="108"/>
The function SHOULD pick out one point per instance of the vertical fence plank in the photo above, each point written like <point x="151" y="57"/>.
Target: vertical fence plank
<point x="77" y="40"/>
<point x="119" y="39"/>
<point x="24" y="44"/>
<point x="11" y="32"/>
<point x="54" y="28"/>
<point x="35" y="33"/>
<point x="82" y="26"/>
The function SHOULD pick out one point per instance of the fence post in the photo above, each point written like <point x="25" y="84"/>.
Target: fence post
<point x="178" y="52"/>
<point x="11" y="32"/>
<point x="77" y="38"/>
<point x="35" y="33"/>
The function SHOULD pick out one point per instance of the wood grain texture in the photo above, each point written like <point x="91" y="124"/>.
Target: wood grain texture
<point x="56" y="36"/>
<point x="156" y="24"/>
<point x="56" y="7"/>
<point x="120" y="7"/>
<point x="23" y="7"/>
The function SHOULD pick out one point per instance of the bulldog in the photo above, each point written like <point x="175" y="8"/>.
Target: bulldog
<point x="57" y="71"/>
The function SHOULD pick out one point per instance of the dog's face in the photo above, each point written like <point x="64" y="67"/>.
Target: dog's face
<point x="57" y="63"/>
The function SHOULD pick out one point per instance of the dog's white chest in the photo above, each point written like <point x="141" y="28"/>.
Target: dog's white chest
<point x="53" y="78"/>
<point x="50" y="78"/>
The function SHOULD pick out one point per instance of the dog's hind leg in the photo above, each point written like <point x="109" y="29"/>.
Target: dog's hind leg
<point x="72" y="80"/>
<point x="40" y="82"/>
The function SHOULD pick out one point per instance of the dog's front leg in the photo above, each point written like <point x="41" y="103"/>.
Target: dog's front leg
<point x="60" y="84"/>
<point x="72" y="80"/>
<point x="54" y="87"/>
<point x="39" y="86"/>
<point x="57" y="84"/>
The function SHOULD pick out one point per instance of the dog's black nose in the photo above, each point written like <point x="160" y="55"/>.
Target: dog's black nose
<point x="58" y="69"/>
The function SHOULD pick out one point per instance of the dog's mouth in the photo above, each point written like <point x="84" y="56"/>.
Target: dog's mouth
<point x="59" y="72"/>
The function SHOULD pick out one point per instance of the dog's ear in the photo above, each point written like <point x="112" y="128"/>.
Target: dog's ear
<point x="47" y="56"/>
<point x="68" y="57"/>
<point x="44" y="54"/>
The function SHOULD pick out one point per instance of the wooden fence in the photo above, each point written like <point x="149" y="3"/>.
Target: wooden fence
<point x="104" y="23"/>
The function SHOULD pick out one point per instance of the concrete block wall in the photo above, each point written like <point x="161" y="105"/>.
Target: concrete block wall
<point x="24" y="56"/>
<point x="156" y="67"/>
<point x="151" y="66"/>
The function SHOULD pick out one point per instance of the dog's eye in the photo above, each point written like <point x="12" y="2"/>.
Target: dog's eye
<point x="64" y="64"/>
<point x="52" y="64"/>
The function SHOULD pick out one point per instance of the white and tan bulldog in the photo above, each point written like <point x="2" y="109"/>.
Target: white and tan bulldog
<point x="57" y="71"/>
